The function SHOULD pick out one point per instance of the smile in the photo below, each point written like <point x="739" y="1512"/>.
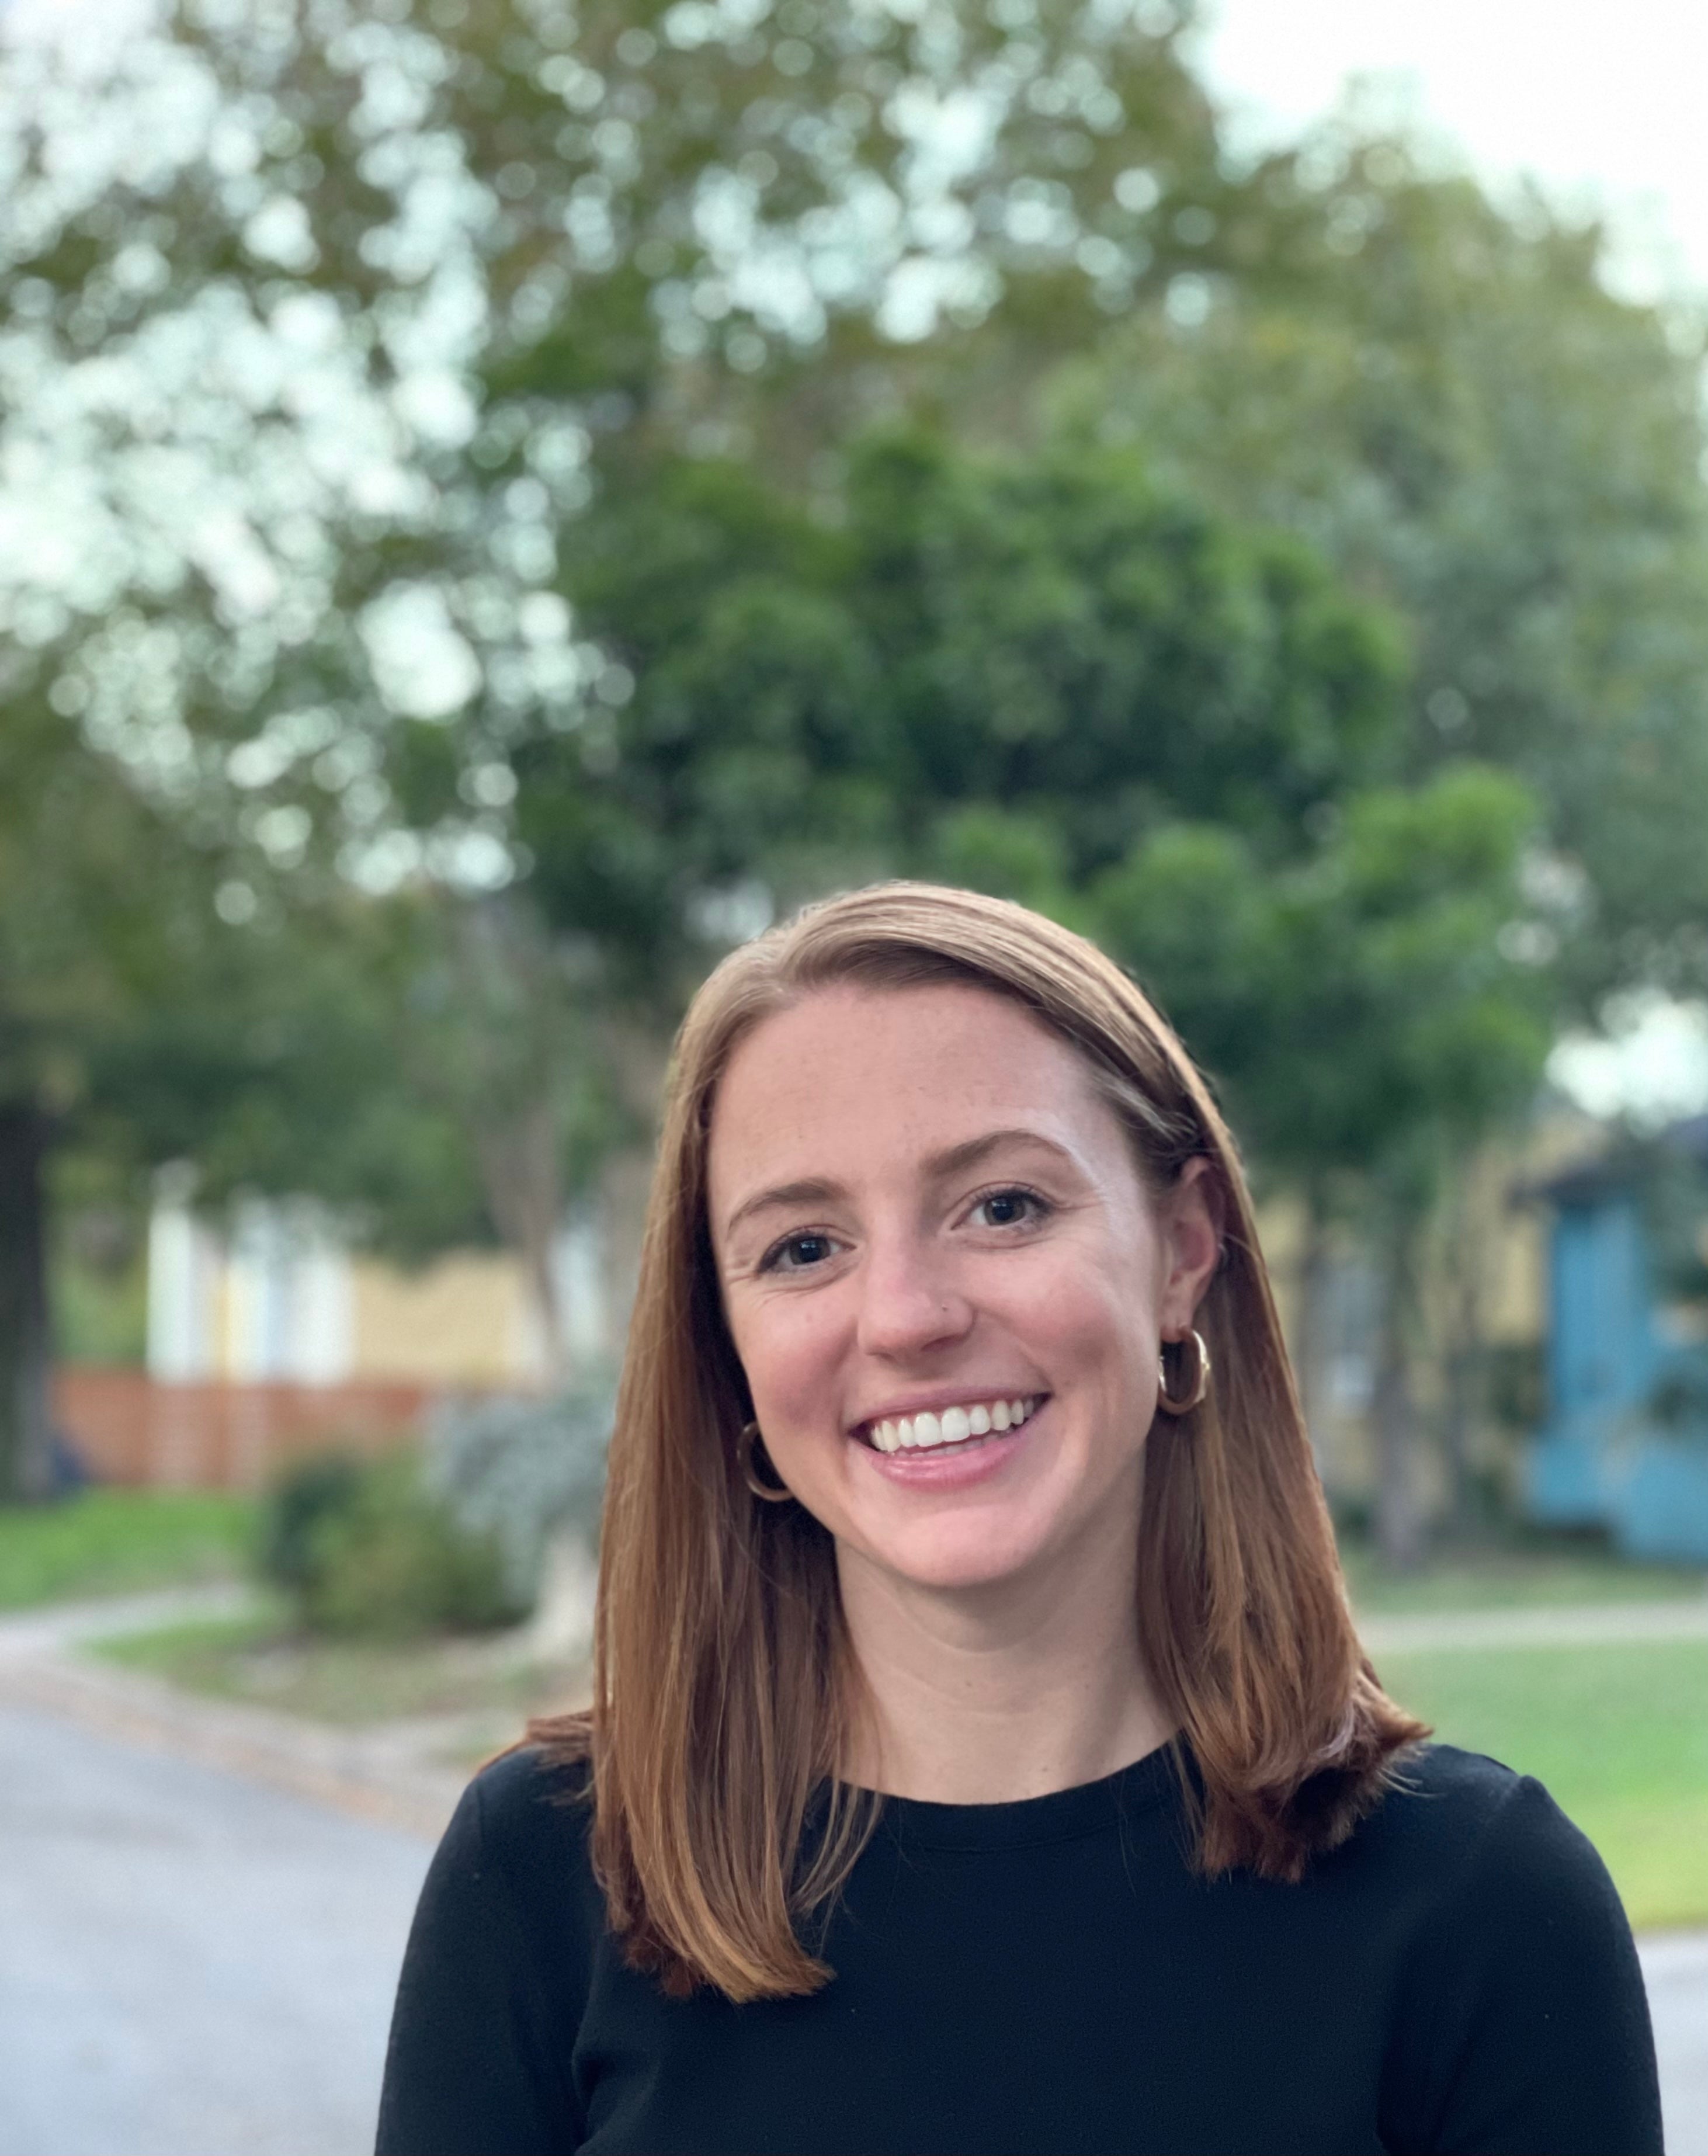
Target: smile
<point x="927" y="1432"/>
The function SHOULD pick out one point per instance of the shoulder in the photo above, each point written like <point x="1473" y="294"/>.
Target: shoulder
<point x="1467" y="1819"/>
<point x="518" y="1843"/>
<point x="512" y="1877"/>
<point x="1461" y="1853"/>
<point x="525" y="1806"/>
<point x="1522" y="2020"/>
<point x="1503" y="1895"/>
<point x="496" y="1970"/>
<point x="1439" y="1792"/>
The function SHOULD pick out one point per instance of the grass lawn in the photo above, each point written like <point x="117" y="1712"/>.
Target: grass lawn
<point x="118" y="1542"/>
<point x="1620" y="1734"/>
<point x="353" y="1682"/>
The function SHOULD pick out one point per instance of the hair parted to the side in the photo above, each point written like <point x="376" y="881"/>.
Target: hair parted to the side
<point x="723" y="1682"/>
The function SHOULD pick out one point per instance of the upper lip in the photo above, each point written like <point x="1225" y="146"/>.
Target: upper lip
<point x="945" y="1396"/>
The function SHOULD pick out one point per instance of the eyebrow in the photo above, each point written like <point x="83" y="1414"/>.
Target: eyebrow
<point x="955" y="1160"/>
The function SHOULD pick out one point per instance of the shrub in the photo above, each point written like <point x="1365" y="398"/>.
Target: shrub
<point x="521" y="1472"/>
<point x="304" y="1498"/>
<point x="366" y="1548"/>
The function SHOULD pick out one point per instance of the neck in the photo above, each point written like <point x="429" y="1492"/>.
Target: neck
<point x="989" y="1694"/>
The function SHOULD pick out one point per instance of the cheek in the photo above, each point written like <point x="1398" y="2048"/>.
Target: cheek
<point x="787" y="1351"/>
<point x="1101" y="1325"/>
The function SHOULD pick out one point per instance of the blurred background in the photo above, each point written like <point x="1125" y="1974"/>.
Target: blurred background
<point x="499" y="501"/>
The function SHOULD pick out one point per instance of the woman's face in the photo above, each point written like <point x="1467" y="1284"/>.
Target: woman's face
<point x="945" y="1281"/>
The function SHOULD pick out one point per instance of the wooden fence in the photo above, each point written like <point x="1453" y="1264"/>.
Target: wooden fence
<point x="126" y="1427"/>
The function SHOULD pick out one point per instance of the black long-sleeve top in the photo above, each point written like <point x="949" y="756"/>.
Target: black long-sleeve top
<point x="1049" y="1976"/>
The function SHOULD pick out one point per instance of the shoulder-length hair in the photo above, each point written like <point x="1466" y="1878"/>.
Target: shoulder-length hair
<point x="723" y="1678"/>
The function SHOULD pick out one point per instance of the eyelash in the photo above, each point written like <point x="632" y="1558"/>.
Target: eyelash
<point x="771" y="1262"/>
<point x="1041" y="1206"/>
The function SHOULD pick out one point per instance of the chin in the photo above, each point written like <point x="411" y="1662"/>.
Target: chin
<point x="952" y="1555"/>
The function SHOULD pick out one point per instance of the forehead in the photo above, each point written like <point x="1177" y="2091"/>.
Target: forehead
<point x="851" y="1081"/>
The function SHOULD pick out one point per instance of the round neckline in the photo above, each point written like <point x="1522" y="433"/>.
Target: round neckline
<point x="1058" y="1815"/>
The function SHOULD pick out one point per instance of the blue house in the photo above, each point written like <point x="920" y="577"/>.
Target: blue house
<point x="1625" y="1446"/>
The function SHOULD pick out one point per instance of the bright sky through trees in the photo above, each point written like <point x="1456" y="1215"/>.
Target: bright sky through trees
<point x="1604" y="109"/>
<point x="1586" y="99"/>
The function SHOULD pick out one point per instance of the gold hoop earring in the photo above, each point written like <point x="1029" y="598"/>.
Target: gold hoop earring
<point x="772" y="1493"/>
<point x="1183" y="1402"/>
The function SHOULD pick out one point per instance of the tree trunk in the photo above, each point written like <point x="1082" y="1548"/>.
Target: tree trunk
<point x="638" y="1056"/>
<point x="1399" y="1506"/>
<point x="625" y="1186"/>
<point x="1312" y="1345"/>
<point x="26" y="1430"/>
<point x="1465" y="1356"/>
<point x="520" y="1177"/>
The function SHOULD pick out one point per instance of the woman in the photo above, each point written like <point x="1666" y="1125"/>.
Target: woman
<point x="981" y="1758"/>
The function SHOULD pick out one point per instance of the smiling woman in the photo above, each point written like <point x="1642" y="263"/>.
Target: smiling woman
<point x="970" y="1633"/>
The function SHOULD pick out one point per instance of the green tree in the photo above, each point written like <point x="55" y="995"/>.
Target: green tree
<point x="368" y="343"/>
<point x="1448" y="398"/>
<point x="1373" y="1018"/>
<point x="1451" y="402"/>
<point x="1053" y="678"/>
<point x="321" y="321"/>
<point x="799" y="696"/>
<point x="77" y="957"/>
<point x="387" y="294"/>
<point x="417" y="1064"/>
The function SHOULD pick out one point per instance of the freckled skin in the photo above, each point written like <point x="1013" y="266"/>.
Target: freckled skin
<point x="901" y="1280"/>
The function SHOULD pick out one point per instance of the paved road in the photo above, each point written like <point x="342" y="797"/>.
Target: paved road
<point x="193" y="1964"/>
<point x="190" y="1965"/>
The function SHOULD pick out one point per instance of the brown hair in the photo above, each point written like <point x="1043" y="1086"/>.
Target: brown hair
<point x="723" y="1682"/>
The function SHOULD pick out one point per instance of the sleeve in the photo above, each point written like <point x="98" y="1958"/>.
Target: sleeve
<point x="478" y="2063"/>
<point x="1526" y="2031"/>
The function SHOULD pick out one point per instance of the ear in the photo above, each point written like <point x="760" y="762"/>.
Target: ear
<point x="1190" y="1217"/>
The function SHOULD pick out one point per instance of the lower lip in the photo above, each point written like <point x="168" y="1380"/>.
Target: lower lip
<point x="952" y="1467"/>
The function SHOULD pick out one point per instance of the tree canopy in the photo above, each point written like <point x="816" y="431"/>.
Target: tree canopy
<point x="497" y="499"/>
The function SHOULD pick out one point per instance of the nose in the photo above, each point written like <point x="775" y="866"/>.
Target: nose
<point x="911" y="1302"/>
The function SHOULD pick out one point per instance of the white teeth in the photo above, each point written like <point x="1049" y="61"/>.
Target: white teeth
<point x="952" y="1426"/>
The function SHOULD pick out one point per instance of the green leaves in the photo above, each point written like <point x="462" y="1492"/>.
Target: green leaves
<point x="1359" y="1004"/>
<point x="1454" y="408"/>
<point x="680" y="458"/>
<point x="1056" y="679"/>
<point x="1062" y="631"/>
<point x="998" y="667"/>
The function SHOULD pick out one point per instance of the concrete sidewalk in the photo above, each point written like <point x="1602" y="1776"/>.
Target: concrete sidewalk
<point x="1676" y="1971"/>
<point x="389" y="1774"/>
<point x="1613" y="1624"/>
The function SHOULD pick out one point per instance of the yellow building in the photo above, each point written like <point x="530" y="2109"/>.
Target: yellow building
<point x="279" y="1296"/>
